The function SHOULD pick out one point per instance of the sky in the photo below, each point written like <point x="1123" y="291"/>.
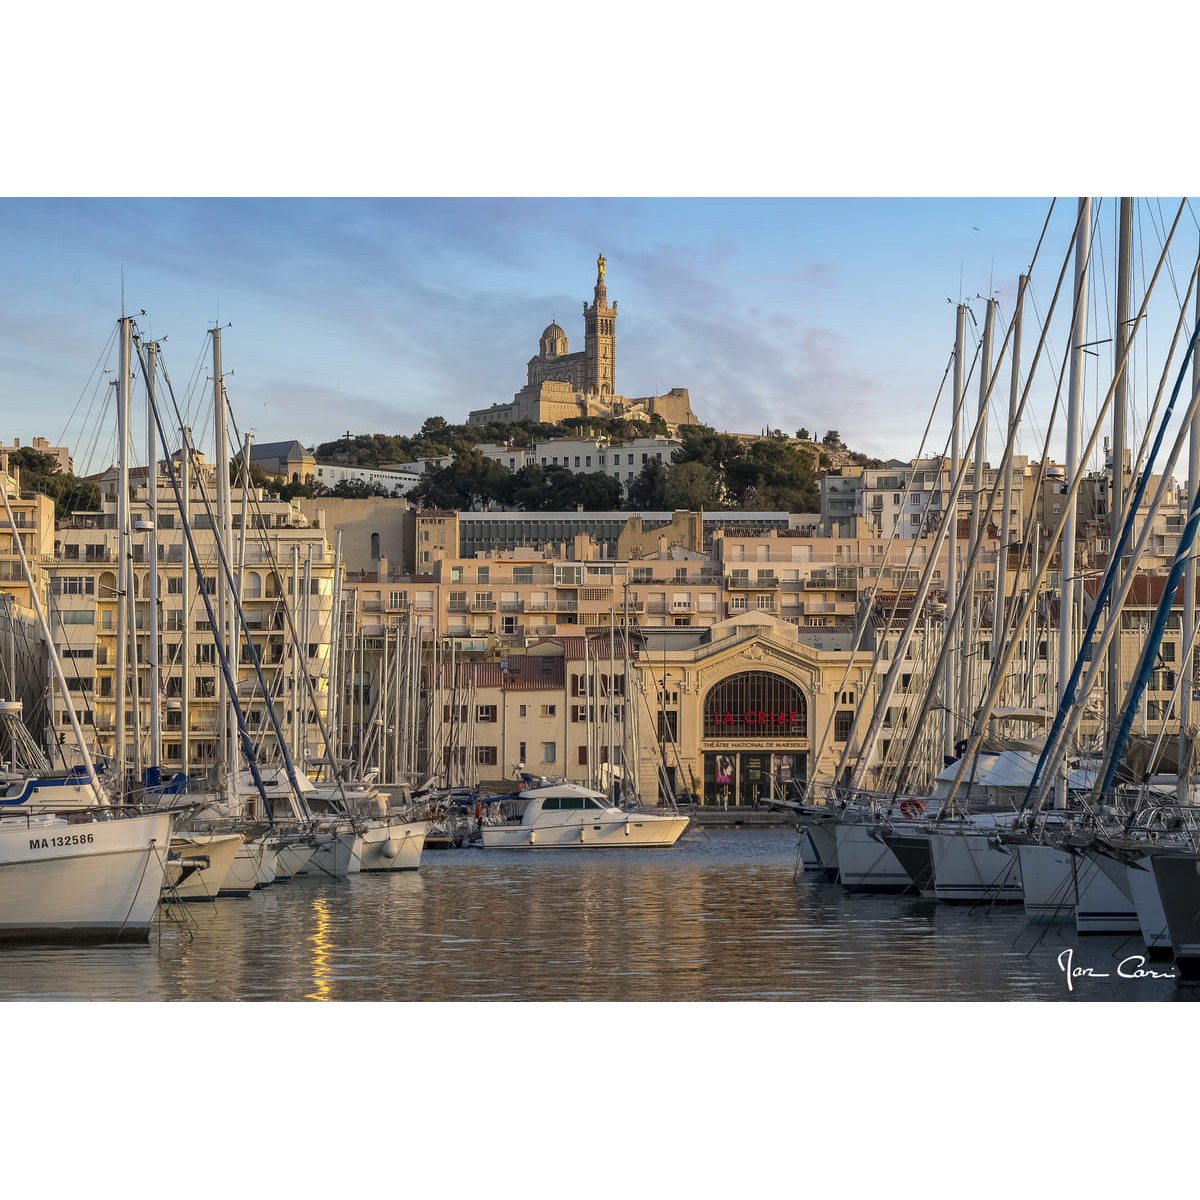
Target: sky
<point x="371" y="314"/>
<point x="381" y="241"/>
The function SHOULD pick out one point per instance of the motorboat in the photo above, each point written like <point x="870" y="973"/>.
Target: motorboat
<point x="568" y="816"/>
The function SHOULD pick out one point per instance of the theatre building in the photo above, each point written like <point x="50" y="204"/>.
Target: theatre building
<point x="745" y="708"/>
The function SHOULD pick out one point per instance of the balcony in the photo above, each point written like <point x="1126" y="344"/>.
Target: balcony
<point x="762" y="582"/>
<point x="479" y="605"/>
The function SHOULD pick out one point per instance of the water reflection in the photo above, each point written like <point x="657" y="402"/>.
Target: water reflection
<point x="718" y="917"/>
<point x="321" y="946"/>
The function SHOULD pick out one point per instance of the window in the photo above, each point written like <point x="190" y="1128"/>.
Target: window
<point x="843" y="722"/>
<point x="485" y="756"/>
<point x="548" y="751"/>
<point x="482" y="574"/>
<point x="522" y="574"/>
<point x="583" y="761"/>
<point x="77" y="617"/>
<point x="206" y="654"/>
<point x="549" y="710"/>
<point x="520" y="713"/>
<point x="486" y="713"/>
<point x="521" y="752"/>
<point x="75" y="585"/>
<point x="205" y="688"/>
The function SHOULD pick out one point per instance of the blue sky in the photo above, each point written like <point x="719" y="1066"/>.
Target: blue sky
<point x="386" y="216"/>
<point x="371" y="314"/>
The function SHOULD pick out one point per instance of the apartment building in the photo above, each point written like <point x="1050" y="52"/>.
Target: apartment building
<point x="280" y="560"/>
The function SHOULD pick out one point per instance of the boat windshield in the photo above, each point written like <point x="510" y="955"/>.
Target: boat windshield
<point x="571" y="803"/>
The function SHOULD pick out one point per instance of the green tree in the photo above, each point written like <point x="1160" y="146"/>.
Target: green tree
<point x="693" y="486"/>
<point x="774" y="474"/>
<point x="471" y="480"/>
<point x="647" y="491"/>
<point x="702" y="443"/>
<point x="40" y="473"/>
<point x="358" y="489"/>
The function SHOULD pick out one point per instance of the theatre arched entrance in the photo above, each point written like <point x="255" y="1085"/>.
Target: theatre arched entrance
<point x="755" y="743"/>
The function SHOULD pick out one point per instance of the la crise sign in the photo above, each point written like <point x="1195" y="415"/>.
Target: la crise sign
<point x="754" y="718"/>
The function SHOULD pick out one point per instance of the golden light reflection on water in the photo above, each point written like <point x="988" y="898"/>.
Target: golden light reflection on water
<point x="322" y="947"/>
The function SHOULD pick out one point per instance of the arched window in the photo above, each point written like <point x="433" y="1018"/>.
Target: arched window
<point x="253" y="585"/>
<point x="756" y="704"/>
<point x="375" y="546"/>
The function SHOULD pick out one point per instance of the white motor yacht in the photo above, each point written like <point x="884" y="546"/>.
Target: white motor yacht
<point x="565" y="815"/>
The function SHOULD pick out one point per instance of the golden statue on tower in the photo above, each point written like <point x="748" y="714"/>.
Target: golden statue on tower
<point x="600" y="267"/>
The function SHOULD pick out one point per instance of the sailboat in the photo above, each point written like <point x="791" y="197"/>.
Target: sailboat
<point x="87" y="870"/>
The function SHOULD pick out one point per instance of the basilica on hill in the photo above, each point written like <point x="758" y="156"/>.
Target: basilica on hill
<point x="560" y="384"/>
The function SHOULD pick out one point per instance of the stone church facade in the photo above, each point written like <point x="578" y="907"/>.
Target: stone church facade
<point x="561" y="384"/>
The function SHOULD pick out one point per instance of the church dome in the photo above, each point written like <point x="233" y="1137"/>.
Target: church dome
<point x="554" y="340"/>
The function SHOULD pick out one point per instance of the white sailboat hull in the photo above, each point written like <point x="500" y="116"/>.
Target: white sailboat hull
<point x="337" y="854"/>
<point x="393" y="845"/>
<point x="219" y="849"/>
<point x="253" y="866"/>
<point x="293" y="857"/>
<point x="1101" y="907"/>
<point x="967" y="866"/>
<point x="865" y="863"/>
<point x="96" y="880"/>
<point x="1047" y="882"/>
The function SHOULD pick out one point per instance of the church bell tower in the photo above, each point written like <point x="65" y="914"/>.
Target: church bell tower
<point x="600" y="339"/>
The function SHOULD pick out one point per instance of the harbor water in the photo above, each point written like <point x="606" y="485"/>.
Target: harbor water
<point x="721" y="916"/>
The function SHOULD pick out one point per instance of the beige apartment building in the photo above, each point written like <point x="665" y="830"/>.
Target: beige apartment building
<point x="24" y="671"/>
<point x="282" y="561"/>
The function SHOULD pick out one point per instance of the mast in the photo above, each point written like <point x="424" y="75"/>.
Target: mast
<point x="1117" y="499"/>
<point x="1187" y="733"/>
<point x="335" y="661"/>
<point x="587" y="699"/>
<point x="1014" y="391"/>
<point x="155" y="751"/>
<point x="1069" y="581"/>
<point x="297" y="601"/>
<point x="185" y="573"/>
<point x="224" y="532"/>
<point x="951" y="517"/>
<point x="966" y="655"/>
<point x="124" y="586"/>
